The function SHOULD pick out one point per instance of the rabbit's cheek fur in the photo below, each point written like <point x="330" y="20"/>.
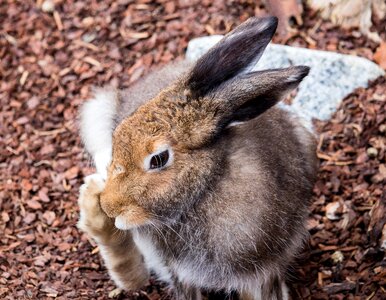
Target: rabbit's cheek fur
<point x="166" y="193"/>
<point x="172" y="192"/>
<point x="132" y="217"/>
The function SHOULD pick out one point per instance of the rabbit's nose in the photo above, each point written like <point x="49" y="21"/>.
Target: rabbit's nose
<point x="110" y="204"/>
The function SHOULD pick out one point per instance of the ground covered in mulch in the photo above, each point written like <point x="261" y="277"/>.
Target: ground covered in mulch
<point x="50" y="56"/>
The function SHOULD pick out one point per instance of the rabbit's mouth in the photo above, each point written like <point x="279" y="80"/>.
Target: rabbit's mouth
<point x="130" y="219"/>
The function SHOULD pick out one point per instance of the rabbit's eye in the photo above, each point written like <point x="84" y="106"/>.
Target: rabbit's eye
<point x="159" y="160"/>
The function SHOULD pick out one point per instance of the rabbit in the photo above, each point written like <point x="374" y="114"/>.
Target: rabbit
<point x="205" y="178"/>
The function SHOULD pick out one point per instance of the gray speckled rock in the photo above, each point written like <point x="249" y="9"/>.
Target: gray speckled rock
<point x="332" y="77"/>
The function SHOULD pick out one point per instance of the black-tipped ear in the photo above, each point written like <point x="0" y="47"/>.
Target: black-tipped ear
<point x="237" y="50"/>
<point x="249" y="95"/>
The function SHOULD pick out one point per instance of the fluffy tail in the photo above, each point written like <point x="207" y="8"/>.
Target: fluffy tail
<point x="97" y="122"/>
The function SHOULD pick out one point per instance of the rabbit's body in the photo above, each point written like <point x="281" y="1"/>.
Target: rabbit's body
<point x="223" y="205"/>
<point x="231" y="238"/>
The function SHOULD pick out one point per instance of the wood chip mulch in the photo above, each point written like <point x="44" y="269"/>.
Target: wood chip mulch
<point x="347" y="225"/>
<point x="53" y="52"/>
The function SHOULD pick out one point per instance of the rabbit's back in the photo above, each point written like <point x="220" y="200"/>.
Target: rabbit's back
<point x="267" y="181"/>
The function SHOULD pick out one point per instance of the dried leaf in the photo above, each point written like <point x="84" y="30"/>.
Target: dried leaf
<point x="380" y="55"/>
<point x="286" y="11"/>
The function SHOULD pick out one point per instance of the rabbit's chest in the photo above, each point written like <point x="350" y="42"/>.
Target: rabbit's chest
<point x="152" y="256"/>
<point x="188" y="262"/>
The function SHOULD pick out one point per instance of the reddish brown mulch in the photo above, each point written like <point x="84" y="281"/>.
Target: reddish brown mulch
<point x="344" y="256"/>
<point x="48" y="63"/>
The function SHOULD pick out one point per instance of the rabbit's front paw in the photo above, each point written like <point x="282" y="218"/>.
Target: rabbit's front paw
<point x="93" y="220"/>
<point x="94" y="184"/>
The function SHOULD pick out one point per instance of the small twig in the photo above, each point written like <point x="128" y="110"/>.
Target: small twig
<point x="23" y="228"/>
<point x="315" y="28"/>
<point x="92" y="61"/>
<point x="320" y="144"/>
<point x="23" y="78"/>
<point x="58" y="21"/>
<point x="333" y="161"/>
<point x="86" y="45"/>
<point x="371" y="295"/>
<point x="343" y="163"/>
<point x="13" y="151"/>
<point x="308" y="39"/>
<point x="10" y="39"/>
<point x="50" y="132"/>
<point x="42" y="162"/>
<point x="334" y="247"/>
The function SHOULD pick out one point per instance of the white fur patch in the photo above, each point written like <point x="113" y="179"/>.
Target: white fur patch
<point x="102" y="159"/>
<point x="151" y="256"/>
<point x="121" y="223"/>
<point x="235" y="123"/>
<point x="284" y="291"/>
<point x="96" y="127"/>
<point x="294" y="78"/>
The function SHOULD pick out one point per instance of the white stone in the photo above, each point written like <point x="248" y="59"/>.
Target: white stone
<point x="333" y="76"/>
<point x="48" y="6"/>
<point x="337" y="257"/>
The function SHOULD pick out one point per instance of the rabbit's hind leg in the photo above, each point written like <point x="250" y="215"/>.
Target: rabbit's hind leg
<point x="120" y="254"/>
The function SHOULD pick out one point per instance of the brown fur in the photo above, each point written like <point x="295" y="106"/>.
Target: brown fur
<point x="231" y="207"/>
<point x="122" y="258"/>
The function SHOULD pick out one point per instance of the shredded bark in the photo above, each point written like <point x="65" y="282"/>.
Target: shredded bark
<point x="52" y="52"/>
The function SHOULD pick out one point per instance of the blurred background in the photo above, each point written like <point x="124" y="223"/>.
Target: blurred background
<point x="51" y="54"/>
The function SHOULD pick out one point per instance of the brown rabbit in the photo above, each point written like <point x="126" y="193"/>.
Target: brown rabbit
<point x="206" y="178"/>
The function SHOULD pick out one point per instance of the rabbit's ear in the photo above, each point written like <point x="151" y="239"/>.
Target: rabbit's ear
<point x="233" y="54"/>
<point x="248" y="95"/>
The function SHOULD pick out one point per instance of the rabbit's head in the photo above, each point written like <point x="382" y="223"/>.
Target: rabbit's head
<point x="167" y="153"/>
